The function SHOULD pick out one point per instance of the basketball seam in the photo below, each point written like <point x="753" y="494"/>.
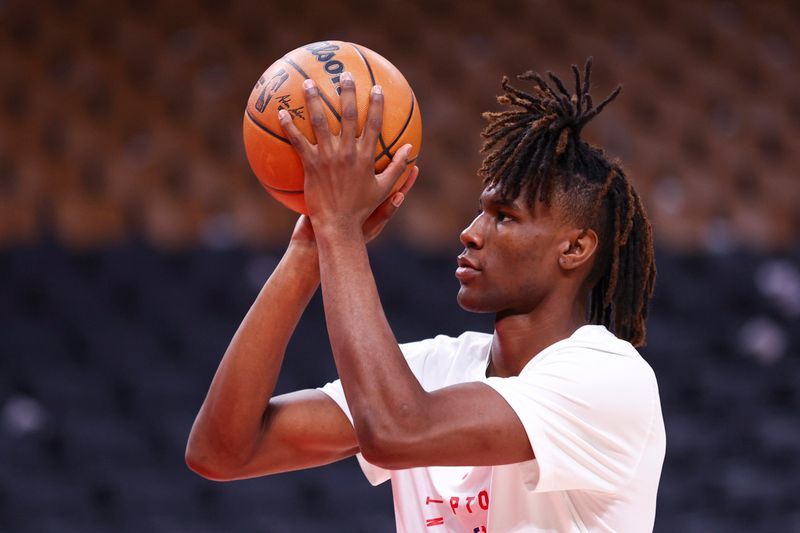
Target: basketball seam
<point x="321" y="94"/>
<point x="265" y="128"/>
<point x="402" y="131"/>
<point x="384" y="150"/>
<point x="284" y="191"/>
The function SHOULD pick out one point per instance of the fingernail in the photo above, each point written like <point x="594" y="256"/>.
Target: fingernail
<point x="377" y="89"/>
<point x="283" y="114"/>
<point x="346" y="76"/>
<point x="397" y="199"/>
<point x="308" y="84"/>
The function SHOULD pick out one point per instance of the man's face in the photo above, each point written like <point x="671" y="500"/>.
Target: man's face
<point x="510" y="260"/>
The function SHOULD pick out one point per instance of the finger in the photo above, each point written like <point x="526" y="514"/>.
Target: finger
<point x="392" y="173"/>
<point x="372" y="128"/>
<point x="378" y="219"/>
<point x="316" y="113"/>
<point x="412" y="179"/>
<point x="373" y="231"/>
<point x="294" y="135"/>
<point x="398" y="197"/>
<point x="384" y="211"/>
<point x="349" y="107"/>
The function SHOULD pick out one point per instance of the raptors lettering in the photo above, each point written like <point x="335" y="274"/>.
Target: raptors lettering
<point x="460" y="504"/>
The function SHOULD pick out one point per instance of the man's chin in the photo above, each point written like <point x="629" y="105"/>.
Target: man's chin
<point x="468" y="302"/>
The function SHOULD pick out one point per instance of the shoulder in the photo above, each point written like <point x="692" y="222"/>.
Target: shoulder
<point x="445" y="345"/>
<point x="593" y="350"/>
<point x="444" y="360"/>
<point x="599" y="368"/>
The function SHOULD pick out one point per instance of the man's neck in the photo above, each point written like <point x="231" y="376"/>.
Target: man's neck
<point x="519" y="337"/>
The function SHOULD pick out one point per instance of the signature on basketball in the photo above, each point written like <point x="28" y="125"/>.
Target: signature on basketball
<point x="284" y="100"/>
<point x="271" y="85"/>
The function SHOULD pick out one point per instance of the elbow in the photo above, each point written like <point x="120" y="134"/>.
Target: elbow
<point x="212" y="456"/>
<point x="377" y="453"/>
<point x="206" y="468"/>
<point x="209" y="465"/>
<point x="203" y="468"/>
<point x="385" y="447"/>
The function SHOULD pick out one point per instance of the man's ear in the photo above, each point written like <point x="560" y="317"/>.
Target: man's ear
<point x="577" y="249"/>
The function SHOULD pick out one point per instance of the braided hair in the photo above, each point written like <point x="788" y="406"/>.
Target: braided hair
<point x="535" y="147"/>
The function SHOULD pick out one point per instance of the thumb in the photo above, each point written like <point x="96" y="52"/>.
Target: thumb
<point x="392" y="173"/>
<point x="398" y="197"/>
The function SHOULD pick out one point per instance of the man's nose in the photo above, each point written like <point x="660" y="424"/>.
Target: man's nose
<point x="471" y="236"/>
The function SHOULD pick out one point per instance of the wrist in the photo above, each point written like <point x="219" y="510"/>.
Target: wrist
<point x="339" y="234"/>
<point x="303" y="248"/>
<point x="302" y="258"/>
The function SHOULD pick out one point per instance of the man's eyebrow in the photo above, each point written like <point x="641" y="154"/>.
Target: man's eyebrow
<point x="508" y="202"/>
<point x="499" y="200"/>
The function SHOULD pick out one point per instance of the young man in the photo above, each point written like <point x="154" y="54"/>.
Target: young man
<point x="553" y="423"/>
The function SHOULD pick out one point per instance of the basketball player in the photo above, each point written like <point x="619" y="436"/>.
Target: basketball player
<point x="553" y="423"/>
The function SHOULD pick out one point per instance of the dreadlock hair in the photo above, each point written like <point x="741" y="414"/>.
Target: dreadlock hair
<point x="535" y="147"/>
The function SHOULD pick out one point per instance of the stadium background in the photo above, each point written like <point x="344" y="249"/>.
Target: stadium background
<point x="133" y="237"/>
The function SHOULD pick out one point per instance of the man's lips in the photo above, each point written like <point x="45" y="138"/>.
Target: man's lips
<point x="467" y="269"/>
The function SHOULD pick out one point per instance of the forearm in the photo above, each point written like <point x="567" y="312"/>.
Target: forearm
<point x="230" y="421"/>
<point x="382" y="393"/>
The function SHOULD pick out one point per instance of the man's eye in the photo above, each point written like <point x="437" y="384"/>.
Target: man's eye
<point x="502" y="216"/>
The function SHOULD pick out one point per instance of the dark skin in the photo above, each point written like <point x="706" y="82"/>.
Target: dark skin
<point x="531" y="263"/>
<point x="528" y="263"/>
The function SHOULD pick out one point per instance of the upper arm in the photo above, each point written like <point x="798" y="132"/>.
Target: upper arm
<point x="590" y="418"/>
<point x="587" y="424"/>
<point x="301" y="429"/>
<point x="467" y="424"/>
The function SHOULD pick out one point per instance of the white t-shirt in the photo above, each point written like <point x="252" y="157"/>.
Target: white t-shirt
<point x="591" y="409"/>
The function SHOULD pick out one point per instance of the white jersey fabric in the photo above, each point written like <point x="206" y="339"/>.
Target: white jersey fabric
<point x="591" y="409"/>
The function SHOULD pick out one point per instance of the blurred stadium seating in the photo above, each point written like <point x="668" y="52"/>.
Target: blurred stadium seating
<point x="124" y="118"/>
<point x="133" y="237"/>
<point x="107" y="355"/>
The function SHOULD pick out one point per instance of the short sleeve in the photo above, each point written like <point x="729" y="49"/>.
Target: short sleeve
<point x="374" y="474"/>
<point x="416" y="354"/>
<point x="588" y="415"/>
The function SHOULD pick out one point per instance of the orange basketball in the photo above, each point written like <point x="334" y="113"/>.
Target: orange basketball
<point x="272" y="157"/>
